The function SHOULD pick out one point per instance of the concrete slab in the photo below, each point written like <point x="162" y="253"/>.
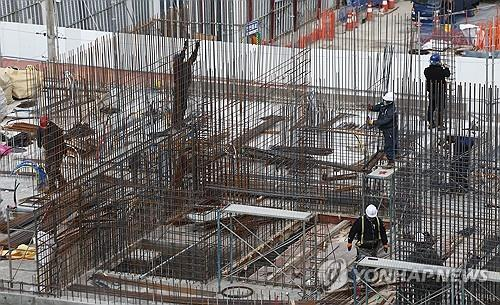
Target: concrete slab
<point x="22" y="271"/>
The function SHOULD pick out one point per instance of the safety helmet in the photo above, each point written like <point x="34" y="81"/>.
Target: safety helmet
<point x="435" y="59"/>
<point x="371" y="211"/>
<point x="388" y="97"/>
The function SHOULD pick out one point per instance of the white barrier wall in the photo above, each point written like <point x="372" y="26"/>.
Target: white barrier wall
<point x="29" y="41"/>
<point x="244" y="61"/>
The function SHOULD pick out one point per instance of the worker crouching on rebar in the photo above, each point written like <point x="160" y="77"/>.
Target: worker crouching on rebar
<point x="387" y="123"/>
<point x="51" y="138"/>
<point x="460" y="165"/>
<point x="183" y="76"/>
<point x="370" y="233"/>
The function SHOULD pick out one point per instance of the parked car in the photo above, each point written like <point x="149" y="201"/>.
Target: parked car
<point x="426" y="8"/>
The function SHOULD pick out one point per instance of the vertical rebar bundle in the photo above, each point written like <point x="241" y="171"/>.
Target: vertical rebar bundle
<point x="158" y="135"/>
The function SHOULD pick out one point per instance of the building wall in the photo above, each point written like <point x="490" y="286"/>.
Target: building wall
<point x="101" y="15"/>
<point x="27" y="41"/>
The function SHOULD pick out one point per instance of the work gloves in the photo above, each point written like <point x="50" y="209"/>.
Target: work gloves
<point x="349" y="247"/>
<point x="369" y="121"/>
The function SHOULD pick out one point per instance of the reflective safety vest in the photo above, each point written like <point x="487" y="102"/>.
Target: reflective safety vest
<point x="362" y="239"/>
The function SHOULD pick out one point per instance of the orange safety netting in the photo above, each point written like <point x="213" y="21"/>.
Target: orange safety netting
<point x="325" y="30"/>
<point x="488" y="35"/>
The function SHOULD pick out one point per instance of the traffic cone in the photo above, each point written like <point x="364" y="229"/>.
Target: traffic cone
<point x="369" y="12"/>
<point x="349" y="25"/>
<point x="385" y="6"/>
<point x="391" y="4"/>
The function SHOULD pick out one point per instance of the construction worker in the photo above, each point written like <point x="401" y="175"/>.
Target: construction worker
<point x="459" y="175"/>
<point x="183" y="76"/>
<point x="370" y="232"/>
<point x="51" y="138"/>
<point x="424" y="252"/>
<point x="435" y="84"/>
<point x="134" y="164"/>
<point x="387" y="123"/>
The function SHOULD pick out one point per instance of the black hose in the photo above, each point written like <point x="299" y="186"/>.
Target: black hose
<point x="239" y="296"/>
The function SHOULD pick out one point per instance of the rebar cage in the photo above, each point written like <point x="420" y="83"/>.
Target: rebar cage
<point x="281" y="125"/>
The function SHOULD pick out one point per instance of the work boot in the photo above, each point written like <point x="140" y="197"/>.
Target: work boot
<point x="391" y="163"/>
<point x="441" y="128"/>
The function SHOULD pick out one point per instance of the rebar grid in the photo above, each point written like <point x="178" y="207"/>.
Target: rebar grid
<point x="277" y="126"/>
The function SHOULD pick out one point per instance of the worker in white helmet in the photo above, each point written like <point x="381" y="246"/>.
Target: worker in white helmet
<point x="370" y="233"/>
<point x="387" y="123"/>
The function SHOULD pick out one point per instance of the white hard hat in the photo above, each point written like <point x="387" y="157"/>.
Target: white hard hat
<point x="389" y="96"/>
<point x="371" y="211"/>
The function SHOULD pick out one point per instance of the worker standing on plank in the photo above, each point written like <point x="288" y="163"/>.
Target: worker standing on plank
<point x="387" y="123"/>
<point x="51" y="138"/>
<point x="183" y="76"/>
<point x="435" y="84"/>
<point x="370" y="232"/>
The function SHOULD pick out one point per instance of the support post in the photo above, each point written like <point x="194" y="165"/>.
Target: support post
<point x="219" y="254"/>
<point x="303" y="259"/>
<point x="231" y="250"/>
<point x="162" y="17"/>
<point x="354" y="285"/>
<point x="392" y="216"/>
<point x="249" y="10"/>
<point x="7" y="220"/>
<point x="51" y="30"/>
<point x="272" y="20"/>
<point x="318" y="9"/>
<point x="452" y="290"/>
<point x="295" y="15"/>
<point x="462" y="287"/>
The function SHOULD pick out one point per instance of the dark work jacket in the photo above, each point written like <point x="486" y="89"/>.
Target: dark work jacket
<point x="435" y="78"/>
<point x="386" y="116"/>
<point x="51" y="139"/>
<point x="463" y="145"/>
<point x="371" y="230"/>
<point x="183" y="73"/>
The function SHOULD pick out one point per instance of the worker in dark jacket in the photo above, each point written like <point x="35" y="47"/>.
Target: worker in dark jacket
<point x="424" y="252"/>
<point x="51" y="138"/>
<point x="370" y="232"/>
<point x="183" y="76"/>
<point x="435" y="84"/>
<point x="387" y="123"/>
<point x="460" y="164"/>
